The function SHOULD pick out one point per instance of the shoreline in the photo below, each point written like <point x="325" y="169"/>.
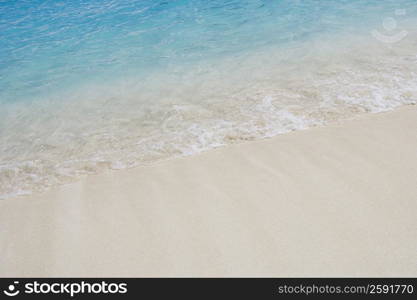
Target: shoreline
<point x="239" y="141"/>
<point x="127" y="123"/>
<point x="336" y="200"/>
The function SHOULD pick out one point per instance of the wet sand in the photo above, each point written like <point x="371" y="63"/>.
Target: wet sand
<point x="334" y="201"/>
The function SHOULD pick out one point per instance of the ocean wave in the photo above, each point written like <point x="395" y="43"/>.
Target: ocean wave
<point x="186" y="110"/>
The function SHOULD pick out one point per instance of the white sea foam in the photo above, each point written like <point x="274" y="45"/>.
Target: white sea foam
<point x="187" y="110"/>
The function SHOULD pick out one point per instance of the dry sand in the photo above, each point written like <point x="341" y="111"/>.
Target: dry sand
<point x="334" y="201"/>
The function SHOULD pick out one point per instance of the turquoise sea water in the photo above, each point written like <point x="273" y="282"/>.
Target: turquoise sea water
<point x="91" y="85"/>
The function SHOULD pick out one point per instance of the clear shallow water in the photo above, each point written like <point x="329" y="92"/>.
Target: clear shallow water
<point x="91" y="85"/>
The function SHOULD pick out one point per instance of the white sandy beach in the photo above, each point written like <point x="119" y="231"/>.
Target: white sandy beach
<point x="334" y="201"/>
